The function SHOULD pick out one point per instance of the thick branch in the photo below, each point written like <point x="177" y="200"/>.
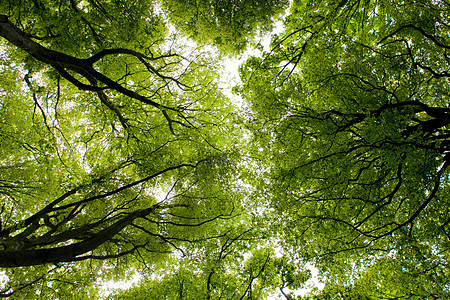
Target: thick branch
<point x="84" y="67"/>
<point x="9" y="259"/>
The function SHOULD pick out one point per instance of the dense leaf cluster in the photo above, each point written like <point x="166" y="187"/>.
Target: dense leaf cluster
<point x="351" y="105"/>
<point x="120" y="155"/>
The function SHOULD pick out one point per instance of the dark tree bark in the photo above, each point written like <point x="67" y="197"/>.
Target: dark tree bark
<point x="98" y="82"/>
<point x="29" y="247"/>
<point x="71" y="252"/>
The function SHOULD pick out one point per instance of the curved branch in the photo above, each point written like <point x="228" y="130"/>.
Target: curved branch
<point x="421" y="30"/>
<point x="84" y="67"/>
<point x="11" y="259"/>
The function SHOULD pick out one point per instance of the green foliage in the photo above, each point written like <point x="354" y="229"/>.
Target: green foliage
<point x="117" y="147"/>
<point x="227" y="25"/>
<point x="233" y="270"/>
<point x="120" y="154"/>
<point x="349" y="113"/>
<point x="85" y="27"/>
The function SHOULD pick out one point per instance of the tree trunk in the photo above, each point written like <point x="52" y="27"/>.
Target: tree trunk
<point x="10" y="259"/>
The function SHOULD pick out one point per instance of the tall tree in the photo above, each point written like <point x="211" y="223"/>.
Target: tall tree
<point x="116" y="147"/>
<point x="350" y="112"/>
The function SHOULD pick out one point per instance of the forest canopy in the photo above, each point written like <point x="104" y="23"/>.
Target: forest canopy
<point x="122" y="157"/>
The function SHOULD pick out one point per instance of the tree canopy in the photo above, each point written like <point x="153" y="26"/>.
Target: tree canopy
<point x="350" y="110"/>
<point x="225" y="24"/>
<point x="121" y="156"/>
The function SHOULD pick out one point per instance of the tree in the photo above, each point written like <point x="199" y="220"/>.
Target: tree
<point x="227" y="25"/>
<point x="116" y="146"/>
<point x="234" y="269"/>
<point x="396" y="278"/>
<point x="350" y="112"/>
<point x="120" y="155"/>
